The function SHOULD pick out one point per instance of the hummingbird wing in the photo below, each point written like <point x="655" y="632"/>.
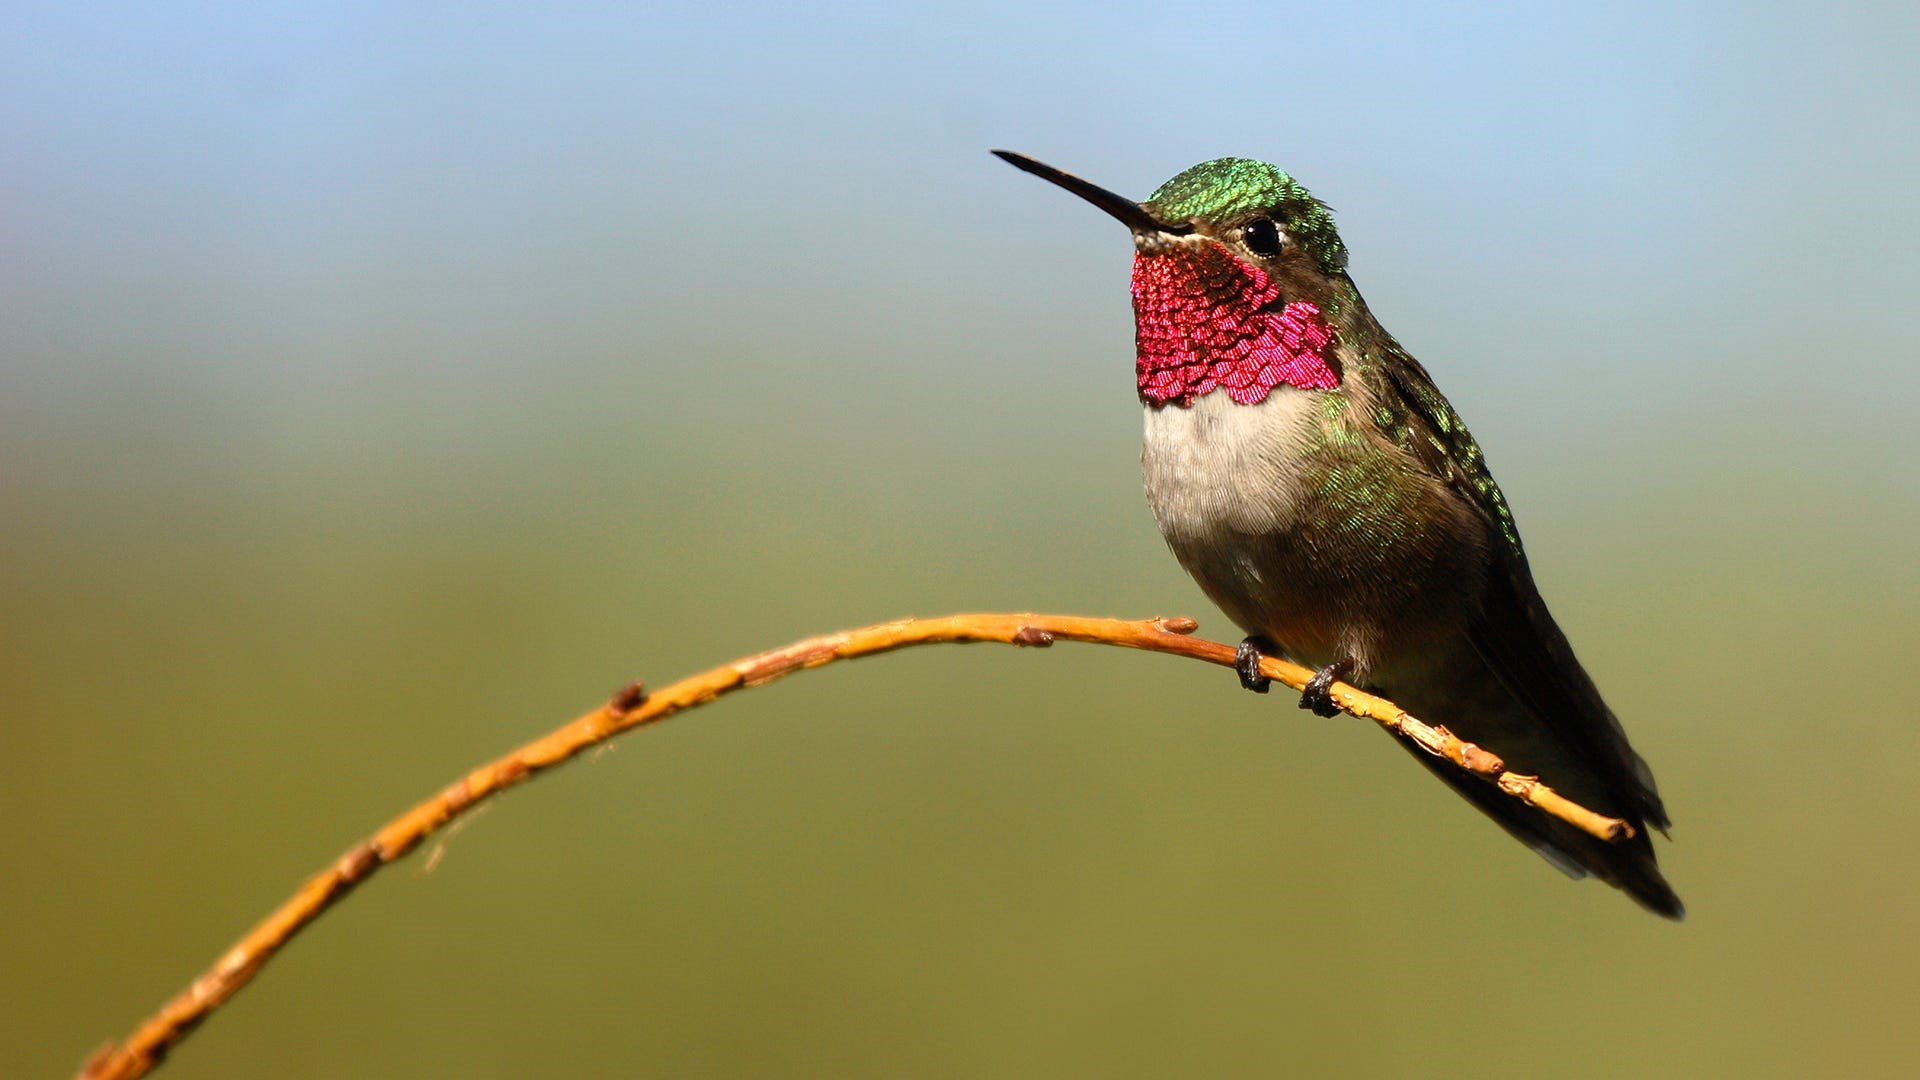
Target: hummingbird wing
<point x="1525" y="647"/>
<point x="1513" y="630"/>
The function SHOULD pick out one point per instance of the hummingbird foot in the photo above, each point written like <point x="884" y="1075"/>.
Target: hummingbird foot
<point x="1318" y="692"/>
<point x="1246" y="661"/>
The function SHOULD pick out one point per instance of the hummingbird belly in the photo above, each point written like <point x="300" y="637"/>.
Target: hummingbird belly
<point x="1304" y="526"/>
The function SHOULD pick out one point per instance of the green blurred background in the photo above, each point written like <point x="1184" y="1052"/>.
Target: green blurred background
<point x="380" y="386"/>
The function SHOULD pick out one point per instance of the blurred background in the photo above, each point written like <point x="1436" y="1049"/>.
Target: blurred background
<point x="382" y="385"/>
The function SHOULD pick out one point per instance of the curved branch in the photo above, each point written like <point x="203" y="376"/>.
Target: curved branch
<point x="634" y="707"/>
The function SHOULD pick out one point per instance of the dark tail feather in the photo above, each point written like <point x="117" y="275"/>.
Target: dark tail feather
<point x="1627" y="865"/>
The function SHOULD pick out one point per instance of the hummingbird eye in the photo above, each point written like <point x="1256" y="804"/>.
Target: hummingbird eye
<point x="1262" y="237"/>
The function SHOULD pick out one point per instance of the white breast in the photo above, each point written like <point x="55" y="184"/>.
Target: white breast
<point x="1218" y="466"/>
<point x="1234" y="493"/>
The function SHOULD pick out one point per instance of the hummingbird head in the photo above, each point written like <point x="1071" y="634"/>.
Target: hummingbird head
<point x="1235" y="273"/>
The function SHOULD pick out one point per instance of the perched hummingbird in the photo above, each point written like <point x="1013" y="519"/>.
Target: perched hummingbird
<point x="1308" y="474"/>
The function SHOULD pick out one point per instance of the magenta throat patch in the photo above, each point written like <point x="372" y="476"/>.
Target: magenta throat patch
<point x="1199" y="326"/>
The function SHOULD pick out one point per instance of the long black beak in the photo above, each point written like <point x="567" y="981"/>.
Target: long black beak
<point x="1131" y="214"/>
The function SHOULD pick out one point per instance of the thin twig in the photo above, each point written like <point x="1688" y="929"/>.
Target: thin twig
<point x="633" y="707"/>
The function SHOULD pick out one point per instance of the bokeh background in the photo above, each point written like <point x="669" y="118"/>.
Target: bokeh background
<point x="382" y="384"/>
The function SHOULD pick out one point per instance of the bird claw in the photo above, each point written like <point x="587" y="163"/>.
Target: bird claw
<point x="1317" y="695"/>
<point x="1246" y="662"/>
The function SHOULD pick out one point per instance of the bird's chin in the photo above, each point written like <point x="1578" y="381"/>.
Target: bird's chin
<point x="1159" y="243"/>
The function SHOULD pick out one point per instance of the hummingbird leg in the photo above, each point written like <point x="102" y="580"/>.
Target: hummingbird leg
<point x="1316" y="696"/>
<point x="1246" y="661"/>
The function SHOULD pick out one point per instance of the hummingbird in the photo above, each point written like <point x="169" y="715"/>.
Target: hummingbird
<point x="1311" y="478"/>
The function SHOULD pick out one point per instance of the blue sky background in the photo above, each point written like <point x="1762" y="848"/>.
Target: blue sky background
<point x="1658" y="204"/>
